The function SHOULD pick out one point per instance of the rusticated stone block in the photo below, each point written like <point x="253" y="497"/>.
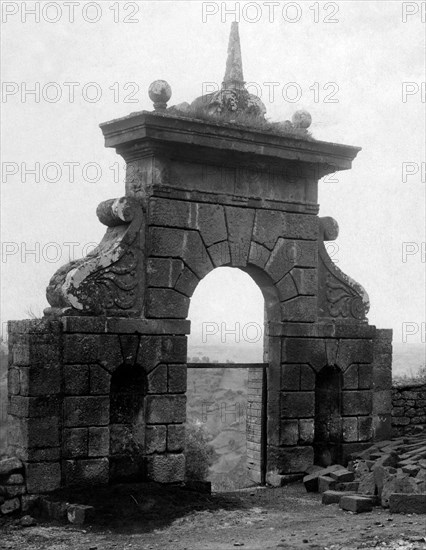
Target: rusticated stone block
<point x="289" y="432"/>
<point x="302" y="226"/>
<point x="93" y="471"/>
<point x="350" y="378"/>
<point x="307" y="378"/>
<point x="365" y="428"/>
<point x="354" y="351"/>
<point x="34" y="407"/>
<point x="86" y="411"/>
<point x="165" y="409"/>
<point x="382" y="402"/>
<point x="187" y="282"/>
<point x="166" y="468"/>
<point x="259" y="255"/>
<point x="163" y="272"/>
<point x="300" y="309"/>
<point x="40" y="380"/>
<point x="290" y="460"/>
<point x="81" y="348"/>
<point x="177" y="379"/>
<point x="306" y="281"/>
<point x="290" y="377"/>
<point x="307" y="350"/>
<point x="350" y="429"/>
<point x="100" y="380"/>
<point x="306" y="431"/>
<point x="154" y="350"/>
<point x="166" y="303"/>
<point x="155" y="439"/>
<point x="269" y="225"/>
<point x="76" y="379"/>
<point x="175" y="437"/>
<point x="211" y="223"/>
<point x="220" y="254"/>
<point x="186" y="245"/>
<point x="13" y="381"/>
<point x="75" y="442"/>
<point x="42" y="477"/>
<point x="365" y="377"/>
<point x="356" y="402"/>
<point x="240" y="226"/>
<point x="98" y="441"/>
<point x="157" y="380"/>
<point x="297" y="404"/>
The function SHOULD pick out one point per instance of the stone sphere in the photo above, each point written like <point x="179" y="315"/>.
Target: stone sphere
<point x="301" y="119"/>
<point x="160" y="91"/>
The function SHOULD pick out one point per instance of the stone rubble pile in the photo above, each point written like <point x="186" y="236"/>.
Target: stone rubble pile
<point x="391" y="474"/>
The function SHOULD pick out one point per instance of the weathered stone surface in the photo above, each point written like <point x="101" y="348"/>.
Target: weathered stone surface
<point x="356" y="503"/>
<point x="86" y="411"/>
<point x="27" y="521"/>
<point x="42" y="477"/>
<point x="40" y="380"/>
<point x="166" y="303"/>
<point x="342" y="475"/>
<point x="100" y="380"/>
<point x="76" y="379"/>
<point x="306" y="431"/>
<point x="326" y="483"/>
<point x="290" y="460"/>
<point x="297" y="404"/>
<point x="240" y="226"/>
<point x="155" y="439"/>
<point x="11" y="491"/>
<point x="75" y="442"/>
<point x="157" y="380"/>
<point x="403" y="503"/>
<point x="187" y="282"/>
<point x="356" y="402"/>
<point x="14" y="479"/>
<point x="175" y="437"/>
<point x="289" y="432"/>
<point x="177" y="378"/>
<point x="98" y="441"/>
<point x="306" y="281"/>
<point x="165" y="409"/>
<point x="163" y="272"/>
<point x="300" y="309"/>
<point x="166" y="468"/>
<point x="333" y="497"/>
<point x="268" y="227"/>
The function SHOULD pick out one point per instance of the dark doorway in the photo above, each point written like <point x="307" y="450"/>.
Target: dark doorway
<point x="328" y="417"/>
<point x="127" y="424"/>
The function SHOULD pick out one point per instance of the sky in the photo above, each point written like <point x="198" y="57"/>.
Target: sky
<point x="357" y="67"/>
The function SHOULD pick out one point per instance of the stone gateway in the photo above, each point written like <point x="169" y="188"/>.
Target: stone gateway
<point x="97" y="387"/>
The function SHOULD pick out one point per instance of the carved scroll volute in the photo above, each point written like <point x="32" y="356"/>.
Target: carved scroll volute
<point x="108" y="280"/>
<point x="339" y="295"/>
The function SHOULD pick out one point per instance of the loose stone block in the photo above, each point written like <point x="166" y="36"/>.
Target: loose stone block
<point x="356" y="504"/>
<point x="42" y="477"/>
<point x="166" y="468"/>
<point x="342" y="475"/>
<point x="326" y="483"/>
<point x="333" y="497"/>
<point x="403" y="503"/>
<point x="348" y="486"/>
<point x="165" y="409"/>
<point x="79" y="514"/>
<point x="86" y="411"/>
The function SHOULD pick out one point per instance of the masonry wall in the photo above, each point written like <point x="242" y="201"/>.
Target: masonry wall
<point x="408" y="408"/>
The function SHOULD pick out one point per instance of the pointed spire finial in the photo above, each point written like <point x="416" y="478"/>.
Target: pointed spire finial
<point x="234" y="64"/>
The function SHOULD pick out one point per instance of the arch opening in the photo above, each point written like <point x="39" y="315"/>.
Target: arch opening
<point x="328" y="415"/>
<point x="227" y="314"/>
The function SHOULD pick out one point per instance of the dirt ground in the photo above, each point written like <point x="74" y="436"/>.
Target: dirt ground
<point x="148" y="516"/>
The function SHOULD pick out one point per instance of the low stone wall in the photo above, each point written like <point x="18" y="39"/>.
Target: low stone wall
<point x="408" y="408"/>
